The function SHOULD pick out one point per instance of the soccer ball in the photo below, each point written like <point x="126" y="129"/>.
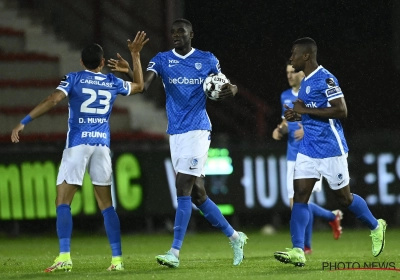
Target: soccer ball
<point x="212" y="85"/>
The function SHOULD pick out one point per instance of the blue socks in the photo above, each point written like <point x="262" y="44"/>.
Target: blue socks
<point x="64" y="227"/>
<point x="309" y="228"/>
<point x="361" y="211"/>
<point x="211" y="213"/>
<point x="113" y="230"/>
<point x="298" y="223"/>
<point x="317" y="211"/>
<point x="182" y="217"/>
<point x="214" y="216"/>
<point x="321" y="212"/>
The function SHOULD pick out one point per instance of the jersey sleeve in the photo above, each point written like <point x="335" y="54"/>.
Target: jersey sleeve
<point x="216" y="68"/>
<point x="331" y="88"/>
<point x="67" y="83"/>
<point x="123" y="87"/>
<point x="155" y="65"/>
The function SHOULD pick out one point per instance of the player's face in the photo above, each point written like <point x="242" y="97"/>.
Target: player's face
<point x="296" y="58"/>
<point x="294" y="78"/>
<point x="181" y="35"/>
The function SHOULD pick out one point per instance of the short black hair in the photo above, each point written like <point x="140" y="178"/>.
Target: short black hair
<point x="307" y="42"/>
<point x="92" y="55"/>
<point x="185" y="21"/>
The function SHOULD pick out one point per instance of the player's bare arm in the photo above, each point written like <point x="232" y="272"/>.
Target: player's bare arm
<point x="228" y="90"/>
<point x="337" y="110"/>
<point x="149" y="77"/>
<point x="135" y="47"/>
<point x="43" y="107"/>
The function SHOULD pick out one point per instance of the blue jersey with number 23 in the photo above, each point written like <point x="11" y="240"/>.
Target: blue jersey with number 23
<point x="91" y="97"/>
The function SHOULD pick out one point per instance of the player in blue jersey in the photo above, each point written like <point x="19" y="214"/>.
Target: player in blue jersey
<point x="323" y="151"/>
<point x="91" y="96"/>
<point x="183" y="70"/>
<point x="295" y="132"/>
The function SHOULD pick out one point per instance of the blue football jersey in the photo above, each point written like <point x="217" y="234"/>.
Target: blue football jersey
<point x="183" y="78"/>
<point x="287" y="97"/>
<point x="322" y="137"/>
<point x="90" y="100"/>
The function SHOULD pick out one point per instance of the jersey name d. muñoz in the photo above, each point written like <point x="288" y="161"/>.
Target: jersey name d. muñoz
<point x="90" y="100"/>
<point x="287" y="97"/>
<point x="183" y="78"/>
<point x="323" y="137"/>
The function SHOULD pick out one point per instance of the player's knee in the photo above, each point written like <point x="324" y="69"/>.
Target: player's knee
<point x="104" y="204"/>
<point x="183" y="191"/>
<point x="198" y="198"/>
<point x="345" y="201"/>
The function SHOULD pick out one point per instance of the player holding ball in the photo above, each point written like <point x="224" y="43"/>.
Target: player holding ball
<point x="183" y="71"/>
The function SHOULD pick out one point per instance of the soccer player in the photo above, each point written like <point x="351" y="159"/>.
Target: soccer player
<point x="295" y="133"/>
<point x="183" y="70"/>
<point x="91" y="97"/>
<point x="323" y="151"/>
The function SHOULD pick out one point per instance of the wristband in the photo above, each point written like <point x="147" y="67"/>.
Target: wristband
<point x="26" y="120"/>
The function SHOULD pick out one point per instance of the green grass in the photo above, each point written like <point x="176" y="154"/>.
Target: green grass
<point x="204" y="256"/>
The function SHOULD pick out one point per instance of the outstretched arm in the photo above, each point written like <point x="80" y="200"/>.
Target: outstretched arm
<point x="337" y="110"/>
<point x="135" y="47"/>
<point x="44" y="106"/>
<point x="121" y="65"/>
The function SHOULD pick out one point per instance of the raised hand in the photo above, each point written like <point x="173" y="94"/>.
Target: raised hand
<point x="118" y="65"/>
<point x="138" y="43"/>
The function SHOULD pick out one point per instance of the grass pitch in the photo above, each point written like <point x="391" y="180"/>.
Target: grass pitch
<point x="204" y="256"/>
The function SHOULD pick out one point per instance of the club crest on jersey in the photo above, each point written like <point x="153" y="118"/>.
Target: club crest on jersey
<point x="330" y="82"/>
<point x="340" y="176"/>
<point x="308" y="89"/>
<point x="194" y="161"/>
<point x="198" y="65"/>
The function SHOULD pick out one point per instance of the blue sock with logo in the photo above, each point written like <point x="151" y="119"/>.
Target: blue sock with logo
<point x="298" y="223"/>
<point x="361" y="211"/>
<point x="182" y="217"/>
<point x="113" y="230"/>
<point x="318" y="211"/>
<point x="309" y="228"/>
<point x="64" y="227"/>
<point x="212" y="213"/>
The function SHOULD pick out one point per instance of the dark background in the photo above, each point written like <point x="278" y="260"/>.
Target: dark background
<point x="355" y="39"/>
